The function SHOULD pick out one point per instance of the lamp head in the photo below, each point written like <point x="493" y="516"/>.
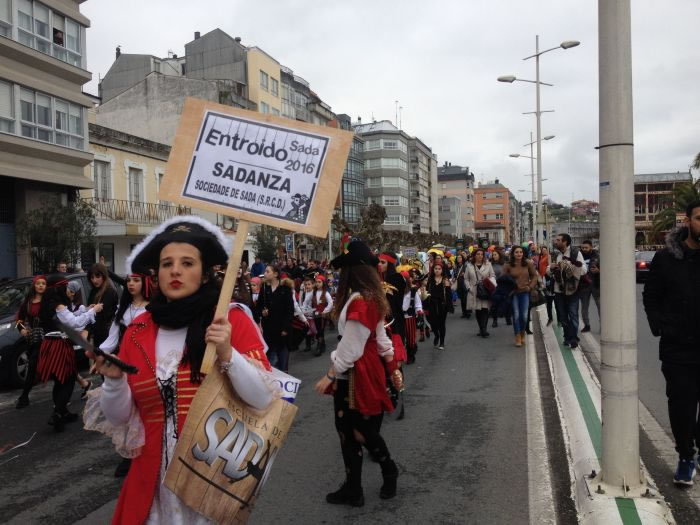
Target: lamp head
<point x="569" y="44"/>
<point x="549" y="137"/>
<point x="514" y="155"/>
<point x="507" y="78"/>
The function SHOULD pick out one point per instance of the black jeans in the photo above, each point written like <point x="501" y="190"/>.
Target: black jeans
<point x="462" y="293"/>
<point x="348" y="422"/>
<point x="62" y="393"/>
<point x="437" y="323"/>
<point x="32" y="362"/>
<point x="482" y="319"/>
<point x="567" y="307"/>
<point x="550" y="300"/>
<point x="683" y="393"/>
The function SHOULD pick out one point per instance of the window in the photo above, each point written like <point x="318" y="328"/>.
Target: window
<point x="45" y="30"/>
<point x="275" y="111"/>
<point x="396" y="219"/>
<point x="386" y="163"/>
<point x="264" y="108"/>
<point x="374" y="200"/>
<point x="372" y="145"/>
<point x="264" y="79"/>
<point x="5" y="14"/>
<point x="374" y="182"/>
<point x="135" y="185"/>
<point x="107" y="251"/>
<point x="7" y="102"/>
<point x="102" y="178"/>
<point x="394" y="144"/>
<point x="159" y="179"/>
<point x="274" y="87"/>
<point x="395" y="201"/>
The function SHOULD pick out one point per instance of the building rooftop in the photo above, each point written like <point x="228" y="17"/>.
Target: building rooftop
<point x="449" y="173"/>
<point x="382" y="125"/>
<point x="662" y="177"/>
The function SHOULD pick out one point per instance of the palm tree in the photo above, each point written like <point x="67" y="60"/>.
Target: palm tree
<point x="696" y="162"/>
<point x="683" y="194"/>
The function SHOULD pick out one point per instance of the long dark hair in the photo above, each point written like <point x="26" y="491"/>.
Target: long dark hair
<point x="126" y="299"/>
<point x="476" y="252"/>
<point x="52" y="298"/>
<point x="523" y="261"/>
<point x="365" y="280"/>
<point x="31" y="294"/>
<point x="100" y="269"/>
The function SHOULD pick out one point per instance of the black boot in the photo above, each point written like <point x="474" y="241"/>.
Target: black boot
<point x="345" y="496"/>
<point x="57" y="422"/>
<point x="307" y="348"/>
<point x="123" y="468"/>
<point x="390" y="473"/>
<point x="22" y="401"/>
<point x="320" y="347"/>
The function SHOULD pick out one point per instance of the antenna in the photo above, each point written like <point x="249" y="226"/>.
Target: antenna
<point x="400" y="110"/>
<point x="396" y="113"/>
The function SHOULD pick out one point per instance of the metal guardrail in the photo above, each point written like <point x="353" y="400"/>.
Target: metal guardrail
<point x="135" y="212"/>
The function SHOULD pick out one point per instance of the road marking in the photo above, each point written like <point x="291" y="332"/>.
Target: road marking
<point x="662" y="443"/>
<point x="541" y="502"/>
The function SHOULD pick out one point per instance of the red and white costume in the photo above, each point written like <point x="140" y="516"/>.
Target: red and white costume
<point x="136" y="400"/>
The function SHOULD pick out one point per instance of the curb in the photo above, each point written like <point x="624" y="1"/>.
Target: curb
<point x="578" y="398"/>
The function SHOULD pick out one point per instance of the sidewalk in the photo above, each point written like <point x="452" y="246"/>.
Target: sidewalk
<point x="579" y="399"/>
<point x="99" y="516"/>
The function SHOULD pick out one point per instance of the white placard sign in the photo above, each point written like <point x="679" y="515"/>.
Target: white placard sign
<point x="244" y="164"/>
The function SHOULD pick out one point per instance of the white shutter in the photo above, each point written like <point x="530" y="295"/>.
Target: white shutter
<point x="41" y="20"/>
<point x="6" y="100"/>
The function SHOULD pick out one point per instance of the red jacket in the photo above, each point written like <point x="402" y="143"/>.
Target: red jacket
<point x="138" y="347"/>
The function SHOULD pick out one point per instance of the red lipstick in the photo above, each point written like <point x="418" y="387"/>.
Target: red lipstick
<point x="175" y="284"/>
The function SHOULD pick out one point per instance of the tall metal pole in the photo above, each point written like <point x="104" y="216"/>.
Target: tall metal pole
<point x="538" y="114"/>
<point x="620" y="404"/>
<point x="532" y="187"/>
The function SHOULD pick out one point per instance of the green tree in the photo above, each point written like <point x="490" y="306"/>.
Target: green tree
<point x="371" y="228"/>
<point x="683" y="194"/>
<point x="267" y="241"/>
<point x="56" y="232"/>
<point x="696" y="162"/>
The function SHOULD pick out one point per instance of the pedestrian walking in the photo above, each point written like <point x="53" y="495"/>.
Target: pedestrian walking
<point x="321" y="305"/>
<point x="412" y="309"/>
<point x="76" y="306"/>
<point x="440" y="303"/>
<point x="29" y="326"/>
<point x="103" y="292"/>
<point x="523" y="272"/>
<point x="357" y="375"/>
<point x="56" y="354"/>
<point x="481" y="281"/>
<point x="167" y="345"/>
<point x="258" y="268"/>
<point x="497" y="263"/>
<point x="395" y="286"/>
<point x="542" y="267"/>
<point x="275" y="309"/>
<point x="567" y="271"/>
<point x="589" y="285"/>
<point x="670" y="297"/>
<point x="460" y="272"/>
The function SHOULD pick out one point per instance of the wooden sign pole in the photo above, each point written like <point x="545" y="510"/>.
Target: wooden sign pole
<point x="227" y="287"/>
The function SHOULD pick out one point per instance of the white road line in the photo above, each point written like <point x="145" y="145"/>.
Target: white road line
<point x="541" y="501"/>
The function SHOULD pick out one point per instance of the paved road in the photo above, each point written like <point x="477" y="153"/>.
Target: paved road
<point x="461" y="450"/>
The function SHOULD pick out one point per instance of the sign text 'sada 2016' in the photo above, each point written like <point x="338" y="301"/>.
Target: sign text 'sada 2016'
<point x="249" y="165"/>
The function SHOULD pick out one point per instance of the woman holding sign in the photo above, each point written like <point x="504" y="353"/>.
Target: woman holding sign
<point x="357" y="376"/>
<point x="167" y="344"/>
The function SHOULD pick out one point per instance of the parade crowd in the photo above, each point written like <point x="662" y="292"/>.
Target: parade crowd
<point x="379" y="305"/>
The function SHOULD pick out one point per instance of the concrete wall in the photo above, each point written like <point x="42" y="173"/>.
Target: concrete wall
<point x="126" y="71"/>
<point x="216" y="56"/>
<point x="258" y="61"/>
<point x="151" y="109"/>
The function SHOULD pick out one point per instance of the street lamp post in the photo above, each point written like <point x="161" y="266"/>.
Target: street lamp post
<point x="568" y="44"/>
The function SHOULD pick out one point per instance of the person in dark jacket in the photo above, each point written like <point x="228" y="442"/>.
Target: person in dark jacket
<point x="589" y="286"/>
<point x="275" y="309"/>
<point x="103" y="292"/>
<point x="388" y="274"/>
<point x="440" y="302"/>
<point x="671" y="296"/>
<point x="460" y="272"/>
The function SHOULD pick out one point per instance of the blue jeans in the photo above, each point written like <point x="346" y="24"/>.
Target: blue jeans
<point x="278" y="355"/>
<point x="567" y="306"/>
<point x="521" y="305"/>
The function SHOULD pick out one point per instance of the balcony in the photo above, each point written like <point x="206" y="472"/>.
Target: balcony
<point x="130" y="212"/>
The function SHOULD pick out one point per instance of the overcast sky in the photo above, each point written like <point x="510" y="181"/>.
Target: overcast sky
<point x="441" y="60"/>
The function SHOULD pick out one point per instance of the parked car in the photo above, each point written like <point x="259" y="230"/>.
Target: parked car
<point x="642" y="264"/>
<point x="13" y="347"/>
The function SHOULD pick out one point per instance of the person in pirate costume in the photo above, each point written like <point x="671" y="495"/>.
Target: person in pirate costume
<point x="321" y="304"/>
<point x="56" y="354"/>
<point x="357" y="375"/>
<point x="395" y="287"/>
<point x="28" y="326"/>
<point x="412" y="309"/>
<point x="166" y="344"/>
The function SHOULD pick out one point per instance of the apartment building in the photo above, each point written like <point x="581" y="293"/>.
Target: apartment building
<point x="653" y="192"/>
<point x="43" y="114"/>
<point x="450" y="216"/>
<point x="492" y="208"/>
<point x="458" y="181"/>
<point x="515" y="220"/>
<point x="423" y="212"/>
<point x="386" y="172"/>
<point x="352" y="195"/>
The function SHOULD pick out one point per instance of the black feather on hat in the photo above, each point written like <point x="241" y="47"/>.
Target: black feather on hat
<point x="200" y="233"/>
<point x="357" y="253"/>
